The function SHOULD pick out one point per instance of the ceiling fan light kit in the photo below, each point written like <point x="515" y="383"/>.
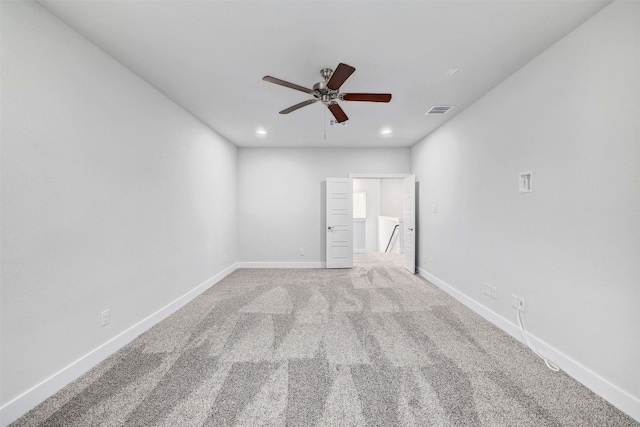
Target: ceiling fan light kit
<point x="327" y="91"/>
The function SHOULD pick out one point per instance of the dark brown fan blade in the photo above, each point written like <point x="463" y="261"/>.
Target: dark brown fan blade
<point x="339" y="76"/>
<point x="370" y="97"/>
<point x="300" y="105"/>
<point x="286" y="84"/>
<point x="337" y="112"/>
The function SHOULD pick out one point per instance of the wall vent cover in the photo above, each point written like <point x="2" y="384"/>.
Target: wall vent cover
<point x="439" y="110"/>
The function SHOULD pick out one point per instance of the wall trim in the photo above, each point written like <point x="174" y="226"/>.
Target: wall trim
<point x="282" y="265"/>
<point x="603" y="388"/>
<point x="28" y="400"/>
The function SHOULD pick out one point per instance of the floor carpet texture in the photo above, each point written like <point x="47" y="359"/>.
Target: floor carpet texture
<point x="368" y="346"/>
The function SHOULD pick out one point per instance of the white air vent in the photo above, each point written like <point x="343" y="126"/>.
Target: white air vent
<point x="439" y="110"/>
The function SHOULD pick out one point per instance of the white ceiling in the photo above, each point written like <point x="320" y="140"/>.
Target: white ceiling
<point x="210" y="56"/>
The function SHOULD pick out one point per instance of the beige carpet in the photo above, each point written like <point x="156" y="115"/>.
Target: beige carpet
<point x="371" y="346"/>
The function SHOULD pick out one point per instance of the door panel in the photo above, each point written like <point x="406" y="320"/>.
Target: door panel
<point x="339" y="226"/>
<point x="410" y="223"/>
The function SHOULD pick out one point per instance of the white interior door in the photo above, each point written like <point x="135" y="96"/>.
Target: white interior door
<point x="339" y="227"/>
<point x="410" y="223"/>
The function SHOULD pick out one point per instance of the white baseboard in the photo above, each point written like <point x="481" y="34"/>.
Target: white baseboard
<point x="22" y="404"/>
<point x="282" y="265"/>
<point x="603" y="388"/>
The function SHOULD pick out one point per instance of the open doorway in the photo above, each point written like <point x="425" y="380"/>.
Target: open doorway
<point x="340" y="221"/>
<point x="378" y="215"/>
<point x="383" y="227"/>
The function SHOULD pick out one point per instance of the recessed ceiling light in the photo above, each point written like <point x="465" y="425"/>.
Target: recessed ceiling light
<point x="261" y="132"/>
<point x="452" y="71"/>
<point x="386" y="132"/>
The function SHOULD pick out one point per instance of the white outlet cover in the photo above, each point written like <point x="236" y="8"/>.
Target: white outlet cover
<point x="105" y="317"/>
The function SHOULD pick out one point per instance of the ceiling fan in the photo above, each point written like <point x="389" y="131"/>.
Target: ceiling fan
<point x="328" y="91"/>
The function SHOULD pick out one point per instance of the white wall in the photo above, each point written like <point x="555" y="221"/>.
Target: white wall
<point x="359" y="236"/>
<point x="281" y="197"/>
<point x="572" y="247"/>
<point x="370" y="186"/>
<point x="112" y="197"/>
<point x="392" y="197"/>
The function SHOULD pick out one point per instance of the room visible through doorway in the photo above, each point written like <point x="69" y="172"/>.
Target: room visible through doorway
<point x="378" y="215"/>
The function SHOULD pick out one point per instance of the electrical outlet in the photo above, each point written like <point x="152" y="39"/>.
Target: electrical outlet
<point x="521" y="303"/>
<point x="224" y="259"/>
<point x="301" y="252"/>
<point x="516" y="302"/>
<point x="435" y="208"/>
<point x="490" y="291"/>
<point x="486" y="289"/>
<point x="105" y="317"/>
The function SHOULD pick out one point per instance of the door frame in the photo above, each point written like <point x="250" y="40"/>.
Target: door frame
<point x="378" y="175"/>
<point x="410" y="227"/>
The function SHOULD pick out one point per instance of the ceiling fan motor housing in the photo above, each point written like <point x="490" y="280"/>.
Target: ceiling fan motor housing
<point x="322" y="92"/>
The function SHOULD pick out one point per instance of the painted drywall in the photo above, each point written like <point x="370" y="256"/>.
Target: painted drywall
<point x="370" y="186"/>
<point x="392" y="197"/>
<point x="571" y="248"/>
<point x="359" y="236"/>
<point x="281" y="197"/>
<point x="112" y="197"/>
